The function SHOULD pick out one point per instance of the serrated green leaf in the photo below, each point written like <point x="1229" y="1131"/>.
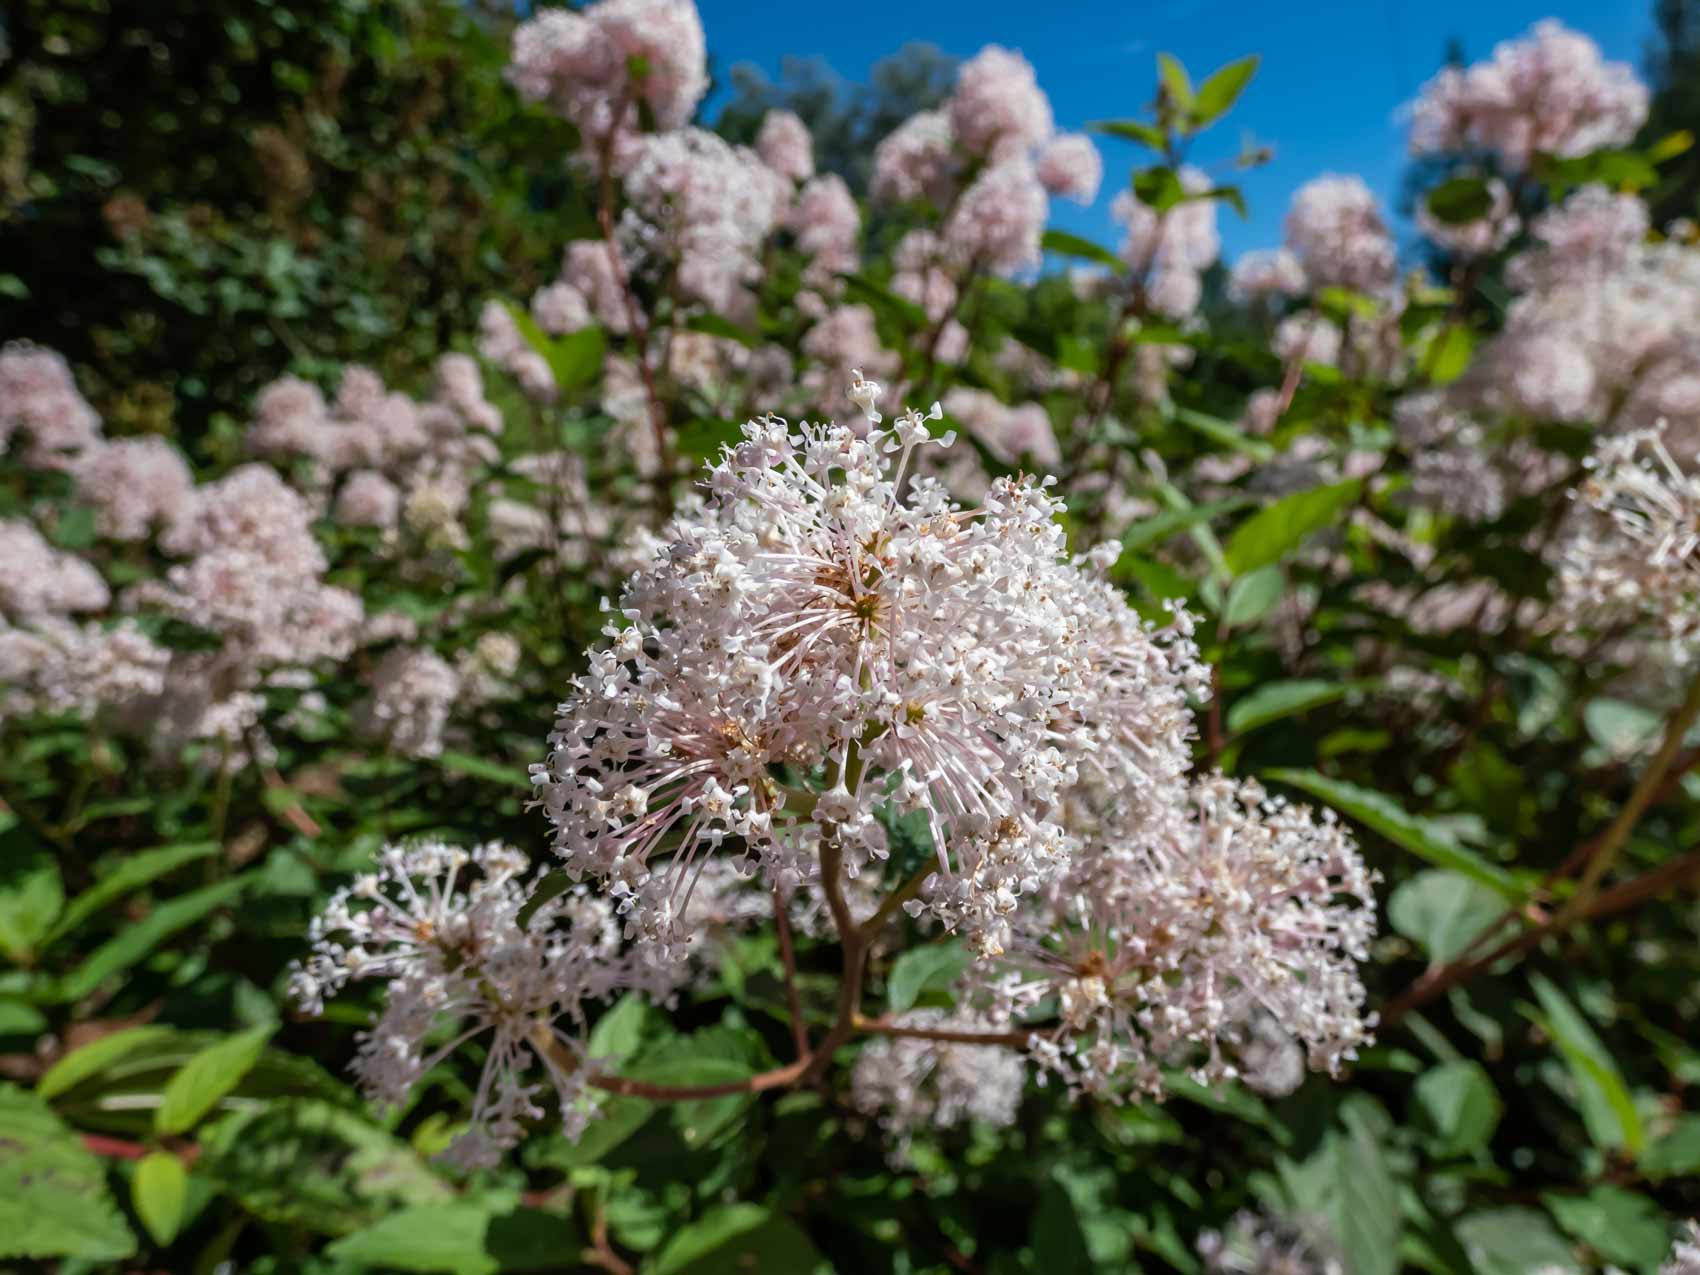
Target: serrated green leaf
<point x="1675" y="1153"/>
<point x="159" y="1190"/>
<point x="1273" y="532"/>
<point x="1275" y="700"/>
<point x="1347" y="1183"/>
<point x="95" y="1057"/>
<point x="1619" y="1225"/>
<point x="206" y="1078"/>
<point x="130" y="873"/>
<point x="448" y="1238"/>
<point x="31" y="895"/>
<point x="306" y="1164"/>
<point x="1423" y="838"/>
<point x="53" y="1197"/>
<point x="1444" y="911"/>
<point x="1514" y="1241"/>
<point x="922" y="968"/>
<point x="737" y="1239"/>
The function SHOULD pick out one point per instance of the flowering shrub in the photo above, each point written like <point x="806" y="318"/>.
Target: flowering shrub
<point x="1154" y="763"/>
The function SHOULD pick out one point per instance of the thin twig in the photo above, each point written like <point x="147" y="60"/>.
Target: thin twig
<point x="788" y="955"/>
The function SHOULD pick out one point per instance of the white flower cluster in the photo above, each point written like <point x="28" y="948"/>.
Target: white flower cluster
<point x="1256" y="1244"/>
<point x="40" y="401"/>
<point x="1634" y="556"/>
<point x="441" y="927"/>
<point x="1684" y="1256"/>
<point x="1549" y="92"/>
<point x="1336" y="231"/>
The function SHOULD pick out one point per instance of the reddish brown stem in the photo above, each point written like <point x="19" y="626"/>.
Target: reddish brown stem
<point x="788" y="955"/>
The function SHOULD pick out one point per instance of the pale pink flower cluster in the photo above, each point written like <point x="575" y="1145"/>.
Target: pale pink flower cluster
<point x="1167" y="252"/>
<point x="40" y="581"/>
<point x="827" y="225"/>
<point x="501" y="341"/>
<point x="1256" y="1244"/>
<point x="785" y="146"/>
<point x="997" y="110"/>
<point x="1480" y="236"/>
<point x="598" y="66"/>
<point x="809" y="613"/>
<point x="702" y="208"/>
<point x="1071" y="167"/>
<point x="413" y="692"/>
<point x="1335" y="230"/>
<point x="133" y="484"/>
<point x="844" y="339"/>
<point x="1549" y="92"/>
<point x="921" y="274"/>
<point x="440" y="926"/>
<point x="921" y="1084"/>
<point x="1183" y="925"/>
<point x="40" y="400"/>
<point x="1594" y="231"/>
<point x="1264" y="273"/>
<point x="1307" y="336"/>
<point x="1008" y="431"/>
<point x="986" y="160"/>
<point x="54" y="666"/>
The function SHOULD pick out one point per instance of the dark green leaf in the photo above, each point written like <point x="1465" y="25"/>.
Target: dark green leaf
<point x="736" y="1240"/>
<point x="53" y="1197"/>
<point x="1275" y="700"/>
<point x="1619" y="1225"/>
<point x="1273" y="532"/>
<point x="1460" y="200"/>
<point x="1608" y="1109"/>
<point x="1444" y="911"/>
<point x="920" y="969"/>
<point x="1458" y="1101"/>
<point x="1423" y="838"/>
<point x="1068" y="245"/>
<point x="1514" y="1241"/>
<point x="131" y="873"/>
<point x="1133" y="130"/>
<point x="136" y="941"/>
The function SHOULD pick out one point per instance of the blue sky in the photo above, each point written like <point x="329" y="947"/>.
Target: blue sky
<point x="1334" y="72"/>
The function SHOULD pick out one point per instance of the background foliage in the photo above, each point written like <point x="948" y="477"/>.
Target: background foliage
<point x="197" y="197"/>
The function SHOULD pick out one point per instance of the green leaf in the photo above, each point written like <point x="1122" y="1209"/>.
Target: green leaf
<point x="904" y="312"/>
<point x="1274" y="700"/>
<point x="620" y="1031"/>
<point x="1676" y="1153"/>
<point x="158" y="1192"/>
<point x="1460" y="200"/>
<point x="1233" y="196"/>
<point x="1132" y="130"/>
<point x="131" y="873"/>
<point x="1251" y="596"/>
<point x="1448" y="353"/>
<point x="703" y="438"/>
<point x="1159" y="188"/>
<point x="206" y="1078"/>
<point x="135" y="941"/>
<point x="1346" y="1182"/>
<point x="302" y="1163"/>
<point x="513" y="776"/>
<point x="1444" y="911"/>
<point x="439" y="1237"/>
<point x="1068" y="245"/>
<point x="1166" y="524"/>
<point x="31" y="895"/>
<point x="94" y="1058"/>
<point x="1218" y="93"/>
<point x="53" y="1197"/>
<point x="1275" y="531"/>
<point x="1514" y="1241"/>
<point x="1220" y="431"/>
<point x="1176" y="84"/>
<point x="1619" y="1225"/>
<point x="1458" y="1101"/>
<point x="920" y="969"/>
<point x="1607" y="1107"/>
<point x="1422" y="837"/>
<point x="736" y="1240"/>
<point x="575" y="360"/>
